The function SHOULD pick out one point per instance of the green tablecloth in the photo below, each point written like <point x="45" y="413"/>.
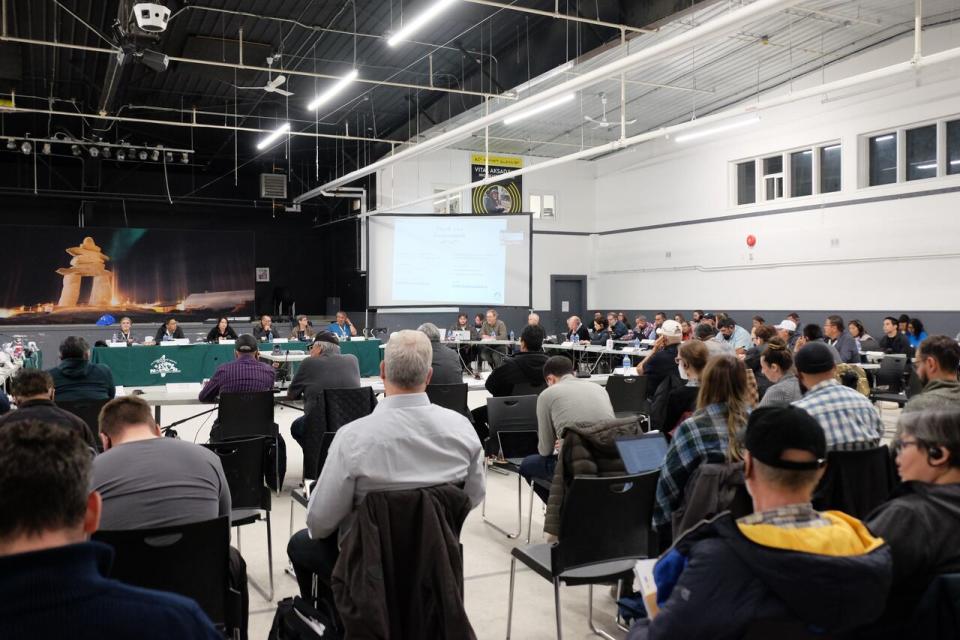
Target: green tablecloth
<point x="139" y="366"/>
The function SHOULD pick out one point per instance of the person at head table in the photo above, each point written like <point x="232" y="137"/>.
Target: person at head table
<point x="169" y="331"/>
<point x="302" y="332"/>
<point x="342" y="327"/>
<point x="265" y="331"/>
<point x="223" y="331"/>
<point x="126" y="333"/>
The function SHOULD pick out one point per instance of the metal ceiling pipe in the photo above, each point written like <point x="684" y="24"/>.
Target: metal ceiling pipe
<point x="665" y="132"/>
<point x="732" y="20"/>
<point x="562" y="16"/>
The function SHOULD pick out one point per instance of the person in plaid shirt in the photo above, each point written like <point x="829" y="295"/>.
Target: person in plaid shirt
<point x="246" y="374"/>
<point x="848" y="419"/>
<point x="711" y="434"/>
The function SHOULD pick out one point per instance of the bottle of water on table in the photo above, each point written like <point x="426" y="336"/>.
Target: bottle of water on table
<point x="627" y="366"/>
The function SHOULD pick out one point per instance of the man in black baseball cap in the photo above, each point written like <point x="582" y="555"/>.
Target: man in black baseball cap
<point x="815" y="572"/>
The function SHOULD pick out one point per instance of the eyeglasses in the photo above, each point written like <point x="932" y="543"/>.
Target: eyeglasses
<point x="900" y="445"/>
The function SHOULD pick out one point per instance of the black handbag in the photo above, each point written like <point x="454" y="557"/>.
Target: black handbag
<point x="297" y="619"/>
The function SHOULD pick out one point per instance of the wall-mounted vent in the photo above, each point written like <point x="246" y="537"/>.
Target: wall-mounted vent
<point x="273" y="185"/>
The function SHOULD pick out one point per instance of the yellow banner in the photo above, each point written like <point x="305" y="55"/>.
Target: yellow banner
<point x="7" y="103"/>
<point x="497" y="161"/>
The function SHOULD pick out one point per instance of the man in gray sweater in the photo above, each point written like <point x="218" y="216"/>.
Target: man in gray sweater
<point x="326" y="368"/>
<point x="936" y="363"/>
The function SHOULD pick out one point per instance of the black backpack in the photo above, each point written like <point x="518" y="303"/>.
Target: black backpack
<point x="297" y="619"/>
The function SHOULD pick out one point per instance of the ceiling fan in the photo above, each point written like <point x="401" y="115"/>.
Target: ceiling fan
<point x="603" y="123"/>
<point x="273" y="86"/>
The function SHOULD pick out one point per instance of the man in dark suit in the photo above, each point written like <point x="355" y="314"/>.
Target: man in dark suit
<point x="169" y="331"/>
<point x="575" y="328"/>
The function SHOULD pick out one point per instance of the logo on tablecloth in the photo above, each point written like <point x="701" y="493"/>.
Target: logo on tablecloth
<point x="163" y="365"/>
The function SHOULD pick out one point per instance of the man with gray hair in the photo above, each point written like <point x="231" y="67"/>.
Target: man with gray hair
<point x="446" y="361"/>
<point x="406" y="443"/>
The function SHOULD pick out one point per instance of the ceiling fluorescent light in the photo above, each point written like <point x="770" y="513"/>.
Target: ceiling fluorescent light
<point x="532" y="111"/>
<point x="429" y="14"/>
<point x="709" y="131"/>
<point x="955" y="162"/>
<point x="543" y="77"/>
<point x="333" y="90"/>
<point x="273" y="136"/>
<point x="932" y="165"/>
<point x="884" y="138"/>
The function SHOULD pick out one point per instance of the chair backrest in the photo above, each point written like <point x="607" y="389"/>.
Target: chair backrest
<point x="512" y="413"/>
<point x="856" y="482"/>
<point x="518" y="444"/>
<point x="190" y="559"/>
<point x="242" y="460"/>
<point x="527" y="389"/>
<point x="914" y="384"/>
<point x="937" y="615"/>
<point x="605" y="519"/>
<point x="86" y="410"/>
<point x="246" y="414"/>
<point x="325" y="441"/>
<point x="343" y="406"/>
<point x="449" y="396"/>
<point x="890" y="375"/>
<point x="628" y="393"/>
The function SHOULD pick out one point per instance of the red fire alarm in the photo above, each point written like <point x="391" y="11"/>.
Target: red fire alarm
<point x="751" y="240"/>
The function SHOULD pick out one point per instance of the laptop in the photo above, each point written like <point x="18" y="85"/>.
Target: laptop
<point x="642" y="453"/>
<point x="517" y="445"/>
<point x="462" y="336"/>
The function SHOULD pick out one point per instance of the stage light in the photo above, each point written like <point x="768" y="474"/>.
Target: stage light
<point x="106" y="153"/>
<point x="154" y="60"/>
<point x="45" y="149"/>
<point x="546" y="106"/>
<point x="26" y="147"/>
<point x="184" y="158"/>
<point x="429" y="14"/>
<point x="333" y="90"/>
<point x="143" y="154"/>
<point x="273" y="136"/>
<point x="11" y="144"/>
<point x="93" y="151"/>
<point x="121" y="155"/>
<point x="75" y="149"/>
<point x="168" y="157"/>
<point x="154" y="155"/>
<point x="736" y="124"/>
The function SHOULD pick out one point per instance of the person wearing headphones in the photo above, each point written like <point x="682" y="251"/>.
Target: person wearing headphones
<point x="922" y="521"/>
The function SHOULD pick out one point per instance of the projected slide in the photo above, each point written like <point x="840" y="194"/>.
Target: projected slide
<point x="449" y="260"/>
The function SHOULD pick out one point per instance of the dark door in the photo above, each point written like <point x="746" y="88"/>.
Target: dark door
<point x="568" y="296"/>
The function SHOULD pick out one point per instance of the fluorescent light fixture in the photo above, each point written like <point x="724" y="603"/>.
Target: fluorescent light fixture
<point x="333" y="90"/>
<point x="955" y="162"/>
<point x="932" y="165"/>
<point x="884" y="138"/>
<point x="429" y="14"/>
<point x="726" y="126"/>
<point x="553" y="73"/>
<point x="831" y="147"/>
<point x="273" y="136"/>
<point x="546" y="106"/>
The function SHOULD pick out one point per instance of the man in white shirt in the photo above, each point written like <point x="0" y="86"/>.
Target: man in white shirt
<point x="406" y="443"/>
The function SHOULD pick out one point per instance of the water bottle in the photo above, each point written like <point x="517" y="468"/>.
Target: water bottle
<point x="627" y="366"/>
<point x="511" y="336"/>
<point x="117" y="339"/>
<point x="636" y="343"/>
<point x="576" y="339"/>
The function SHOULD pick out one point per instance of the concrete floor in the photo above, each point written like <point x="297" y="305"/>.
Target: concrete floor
<point x="486" y="552"/>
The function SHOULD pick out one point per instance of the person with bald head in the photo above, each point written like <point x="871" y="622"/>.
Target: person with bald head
<point x="575" y="328"/>
<point x="533" y="320"/>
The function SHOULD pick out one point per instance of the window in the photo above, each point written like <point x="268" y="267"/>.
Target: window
<point x="882" y="159"/>
<point x="543" y="207"/>
<point x="830" y="168"/>
<point x="801" y="173"/>
<point x="446" y="204"/>
<point x="773" y="178"/>
<point x="953" y="147"/>
<point x="747" y="182"/>
<point x="922" y="152"/>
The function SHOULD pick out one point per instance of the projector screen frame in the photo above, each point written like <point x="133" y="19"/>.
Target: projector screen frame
<point x="528" y="215"/>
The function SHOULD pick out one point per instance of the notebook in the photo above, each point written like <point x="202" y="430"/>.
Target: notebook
<point x="642" y="453"/>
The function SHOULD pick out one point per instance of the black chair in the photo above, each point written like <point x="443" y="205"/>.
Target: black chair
<point x="89" y="412"/>
<point x="450" y="396"/>
<point x="241" y="415"/>
<point x="856" y="482"/>
<point x="937" y="616"/>
<point x="243" y="461"/>
<point x="192" y="560"/>
<point x="327" y="411"/>
<point x="890" y="377"/>
<point x="527" y="389"/>
<point x="605" y="527"/>
<point x="303" y="497"/>
<point x="781" y="629"/>
<point x="510" y="414"/>
<point x="628" y="395"/>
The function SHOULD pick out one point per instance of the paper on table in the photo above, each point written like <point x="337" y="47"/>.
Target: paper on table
<point x="644" y="583"/>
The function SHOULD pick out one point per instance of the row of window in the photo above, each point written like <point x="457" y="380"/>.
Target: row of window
<point x="905" y="154"/>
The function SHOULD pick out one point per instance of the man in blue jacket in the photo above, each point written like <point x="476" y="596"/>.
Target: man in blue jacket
<point x="822" y="572"/>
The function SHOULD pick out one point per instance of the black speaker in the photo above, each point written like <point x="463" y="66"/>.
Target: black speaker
<point x="333" y="305"/>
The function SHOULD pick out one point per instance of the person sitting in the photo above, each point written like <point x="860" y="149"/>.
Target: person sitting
<point x="342" y="327"/>
<point x="937" y="363"/>
<point x="618" y="328"/>
<point x="33" y="392"/>
<point x="893" y="341"/>
<point x="915" y="332"/>
<point x="733" y="334"/>
<point x="776" y="364"/>
<point x="787" y="330"/>
<point x="76" y="378"/>
<point x="524" y="367"/>
<point x="223" y="331"/>
<point x="601" y="332"/>
<point x="576" y="332"/>
<point x="405" y="443"/>
<point x="706" y="333"/>
<point x="849" y="420"/>
<point x="712" y="434"/>
<point x="761" y="336"/>
<point x="921" y="521"/>
<point x="661" y="362"/>
<point x="492" y="329"/>
<point x="446" y="363"/>
<point x="642" y="330"/>
<point x="859" y="333"/>
<point x="676" y="397"/>
<point x="843" y="342"/>
<point x="816" y="572"/>
<point x="466" y="351"/>
<point x="812" y="333"/>
<point x="264" y="331"/>
<point x="326" y="368"/>
<point x="567" y="401"/>
<point x="302" y="332"/>
<point x="54" y="579"/>
<point x="169" y="330"/>
<point x="126" y="331"/>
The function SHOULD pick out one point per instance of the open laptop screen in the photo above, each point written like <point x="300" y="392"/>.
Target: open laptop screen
<point x="642" y="453"/>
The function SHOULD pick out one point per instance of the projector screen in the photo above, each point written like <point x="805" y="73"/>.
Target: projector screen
<point x="448" y="260"/>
